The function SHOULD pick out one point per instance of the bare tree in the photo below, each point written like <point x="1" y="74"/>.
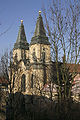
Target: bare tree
<point x="62" y="26"/>
<point x="7" y="68"/>
<point x="62" y="20"/>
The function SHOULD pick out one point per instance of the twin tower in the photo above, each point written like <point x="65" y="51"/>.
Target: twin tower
<point x="31" y="61"/>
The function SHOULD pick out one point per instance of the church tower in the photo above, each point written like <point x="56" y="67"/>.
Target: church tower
<point x="39" y="42"/>
<point x="21" y="47"/>
<point x="39" y="54"/>
<point x="20" y="75"/>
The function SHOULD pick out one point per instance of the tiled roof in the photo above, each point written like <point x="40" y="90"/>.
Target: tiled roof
<point x="3" y="81"/>
<point x="74" y="67"/>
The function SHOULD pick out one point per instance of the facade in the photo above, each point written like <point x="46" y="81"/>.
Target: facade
<point x="32" y="63"/>
<point x="32" y="60"/>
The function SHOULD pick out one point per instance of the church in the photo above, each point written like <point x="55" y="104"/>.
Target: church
<point x="32" y="65"/>
<point x="33" y="60"/>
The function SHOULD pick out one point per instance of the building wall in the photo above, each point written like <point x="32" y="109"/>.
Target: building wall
<point x="19" y="53"/>
<point x="38" y="52"/>
<point x="38" y="71"/>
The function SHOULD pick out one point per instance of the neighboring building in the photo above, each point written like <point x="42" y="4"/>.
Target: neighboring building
<point x="76" y="88"/>
<point x="75" y="70"/>
<point x="32" y="60"/>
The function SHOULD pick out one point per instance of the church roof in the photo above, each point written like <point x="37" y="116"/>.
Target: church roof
<point x="3" y="81"/>
<point x="21" y="41"/>
<point x="39" y="34"/>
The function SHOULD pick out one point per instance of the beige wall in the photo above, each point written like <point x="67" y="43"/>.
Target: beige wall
<point x="38" y="73"/>
<point x="19" y="51"/>
<point x="38" y="50"/>
<point x="17" y="85"/>
<point x="38" y="79"/>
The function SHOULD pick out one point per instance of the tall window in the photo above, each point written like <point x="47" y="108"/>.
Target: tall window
<point x="15" y="58"/>
<point x="32" y="81"/>
<point x="23" y="83"/>
<point x="13" y="80"/>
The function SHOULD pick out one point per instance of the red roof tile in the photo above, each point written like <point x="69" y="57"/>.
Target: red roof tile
<point x="3" y="81"/>
<point x="74" y="68"/>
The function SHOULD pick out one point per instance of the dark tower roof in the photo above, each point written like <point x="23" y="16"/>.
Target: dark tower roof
<point x="39" y="34"/>
<point x="21" y="41"/>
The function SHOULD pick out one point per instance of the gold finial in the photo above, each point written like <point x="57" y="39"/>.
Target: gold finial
<point x="39" y="12"/>
<point x="21" y="21"/>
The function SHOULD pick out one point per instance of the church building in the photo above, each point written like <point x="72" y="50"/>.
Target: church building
<point x="32" y="60"/>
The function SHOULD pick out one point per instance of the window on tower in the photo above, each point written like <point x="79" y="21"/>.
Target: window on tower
<point x="34" y="56"/>
<point x="13" y="80"/>
<point x="43" y="55"/>
<point x="32" y="81"/>
<point x="23" y="83"/>
<point x="15" y="58"/>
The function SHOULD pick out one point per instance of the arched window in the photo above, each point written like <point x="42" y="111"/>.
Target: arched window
<point x="32" y="81"/>
<point x="43" y="54"/>
<point x="13" y="80"/>
<point x="23" y="83"/>
<point x="15" y="58"/>
<point x="34" y="56"/>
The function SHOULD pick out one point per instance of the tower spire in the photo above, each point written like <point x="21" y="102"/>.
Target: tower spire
<point x="21" y="41"/>
<point x="39" y="34"/>
<point x="39" y="30"/>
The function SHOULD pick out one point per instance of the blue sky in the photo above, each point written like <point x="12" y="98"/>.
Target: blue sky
<point x="11" y="12"/>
